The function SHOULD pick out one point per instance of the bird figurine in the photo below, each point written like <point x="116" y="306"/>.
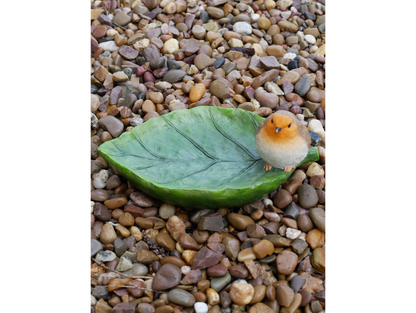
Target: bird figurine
<point x="282" y="141"/>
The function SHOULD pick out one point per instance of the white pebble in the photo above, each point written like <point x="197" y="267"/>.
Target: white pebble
<point x="91" y="206"/>
<point x="185" y="269"/>
<point x="302" y="236"/>
<point x="255" y="17"/>
<point x="93" y="300"/>
<point x="111" y="32"/>
<point x="267" y="202"/>
<point x="292" y="233"/>
<point x="103" y="175"/>
<point x="310" y="39"/>
<point x="315" y="125"/>
<point x="109" y="46"/>
<point x="289" y="55"/>
<point x="200" y="307"/>
<point x="241" y="281"/>
<point x="98" y="183"/>
<point x="301" y="35"/>
<point x="313" y="49"/>
<point x="300" y="117"/>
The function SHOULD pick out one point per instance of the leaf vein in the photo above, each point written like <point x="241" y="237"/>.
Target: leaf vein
<point x="230" y="138"/>
<point x="189" y="139"/>
<point x="239" y="173"/>
<point x="145" y="148"/>
<point x="180" y="178"/>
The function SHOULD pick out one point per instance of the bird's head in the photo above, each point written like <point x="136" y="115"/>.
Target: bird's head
<point x="281" y="126"/>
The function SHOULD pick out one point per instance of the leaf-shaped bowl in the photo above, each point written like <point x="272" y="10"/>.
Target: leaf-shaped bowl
<point x="199" y="158"/>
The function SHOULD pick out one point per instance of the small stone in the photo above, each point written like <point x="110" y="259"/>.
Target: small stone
<point x="166" y="211"/>
<point x="239" y="221"/>
<point x="318" y="259"/>
<point x="317" y="216"/>
<point x="200" y="307"/>
<point x="297" y="282"/>
<point x="292" y="233"/>
<point x="260" y="308"/>
<point x="264" y="23"/>
<point x="105" y="256"/>
<point x="302" y="86"/>
<point x="192" y="277"/>
<point x="108" y="235"/>
<point x="315" y="238"/>
<point x="266" y="99"/>
<point x="255" y="231"/>
<point x="174" y="76"/>
<point x="215" y="12"/>
<point x="128" y="52"/>
<point x="202" y="61"/>
<point x="170" y="46"/>
<point x="125" y="307"/>
<point x="286" y="262"/>
<point x="243" y="28"/>
<point x="121" y="19"/>
<point x="219" y="283"/>
<point x="211" y="222"/>
<point x="217" y="270"/>
<point x="168" y="276"/>
<point x="165" y="241"/>
<point x="205" y="258"/>
<point x="305" y="223"/>
<point x="212" y="296"/>
<point x="181" y="297"/>
<point x="219" y="89"/>
<point x="176" y="227"/>
<point x="96" y="247"/>
<point x="298" y="246"/>
<point x="263" y="248"/>
<point x="241" y="294"/>
<point x="284" y="295"/>
<point x="146" y="256"/>
<point x="111" y="124"/>
<point x="307" y="196"/>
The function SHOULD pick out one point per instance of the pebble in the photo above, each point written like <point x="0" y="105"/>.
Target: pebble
<point x="308" y="197"/>
<point x="218" y="283"/>
<point x="263" y="248"/>
<point x="200" y="307"/>
<point x="241" y="294"/>
<point x="181" y="297"/>
<point x="284" y="295"/>
<point x="112" y="124"/>
<point x="286" y="262"/>
<point x="239" y="221"/>
<point x="243" y="28"/>
<point x="167" y="276"/>
<point x="317" y="216"/>
<point x="219" y="89"/>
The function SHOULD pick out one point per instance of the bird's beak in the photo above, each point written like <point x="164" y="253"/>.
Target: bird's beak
<point x="278" y="129"/>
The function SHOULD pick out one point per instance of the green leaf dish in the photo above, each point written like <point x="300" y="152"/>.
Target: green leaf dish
<point x="199" y="158"/>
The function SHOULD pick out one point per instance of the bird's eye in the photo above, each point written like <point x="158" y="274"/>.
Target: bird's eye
<point x="272" y="121"/>
<point x="289" y="125"/>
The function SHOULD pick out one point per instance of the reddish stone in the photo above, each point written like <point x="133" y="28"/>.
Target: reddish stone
<point x="295" y="99"/>
<point x="206" y="258"/>
<point x="133" y="210"/>
<point x="287" y="87"/>
<point x="217" y="270"/>
<point x="115" y="94"/>
<point x="128" y="52"/>
<point x="141" y="70"/>
<point x="249" y="92"/>
<point x="192" y="277"/>
<point x="160" y="72"/>
<point x="99" y="32"/>
<point x="148" y="77"/>
<point x="94" y="44"/>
